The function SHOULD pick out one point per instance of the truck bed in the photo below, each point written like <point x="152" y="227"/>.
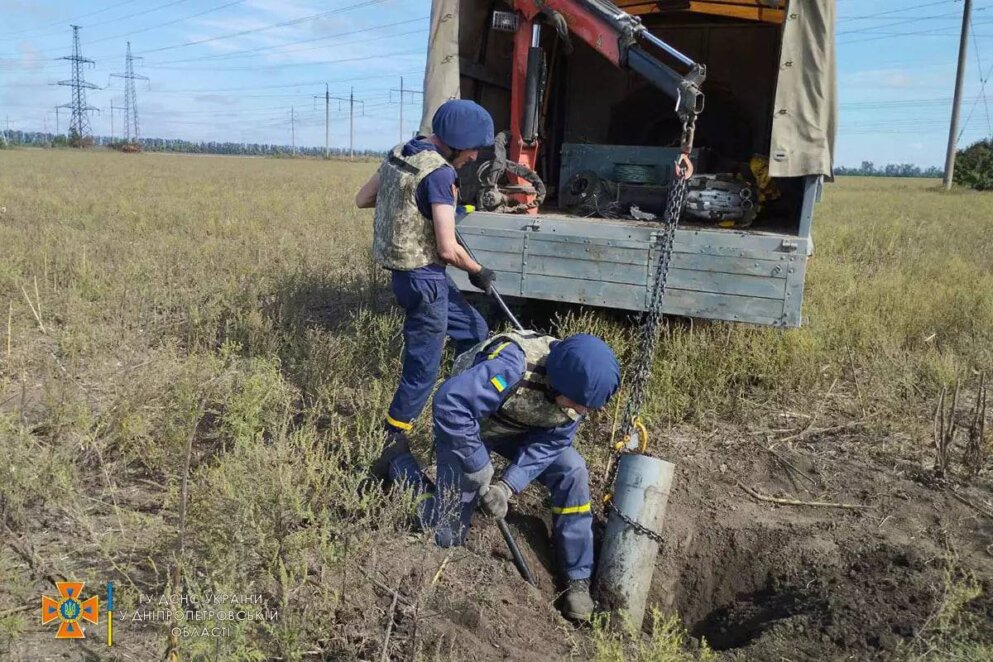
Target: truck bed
<point x="745" y="276"/>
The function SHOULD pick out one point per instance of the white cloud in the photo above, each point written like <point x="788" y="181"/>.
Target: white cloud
<point x="886" y="78"/>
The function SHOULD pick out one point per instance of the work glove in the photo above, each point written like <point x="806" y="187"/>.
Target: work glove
<point x="483" y="279"/>
<point x="495" y="499"/>
<point x="475" y="481"/>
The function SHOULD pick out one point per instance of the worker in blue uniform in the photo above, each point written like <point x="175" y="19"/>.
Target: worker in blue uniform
<point x="522" y="396"/>
<point x="414" y="193"/>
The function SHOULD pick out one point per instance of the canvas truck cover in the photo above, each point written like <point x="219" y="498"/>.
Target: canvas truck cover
<point x="441" y="75"/>
<point x="805" y="119"/>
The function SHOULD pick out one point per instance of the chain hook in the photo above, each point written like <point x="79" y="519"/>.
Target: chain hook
<point x="684" y="166"/>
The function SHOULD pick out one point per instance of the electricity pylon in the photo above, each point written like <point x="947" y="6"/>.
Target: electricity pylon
<point x="79" y="124"/>
<point x="131" y="131"/>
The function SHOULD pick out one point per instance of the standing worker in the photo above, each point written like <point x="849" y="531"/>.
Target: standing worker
<point x="522" y="395"/>
<point x="414" y="193"/>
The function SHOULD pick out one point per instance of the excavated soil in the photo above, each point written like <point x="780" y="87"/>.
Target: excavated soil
<point x="758" y="581"/>
<point x="765" y="581"/>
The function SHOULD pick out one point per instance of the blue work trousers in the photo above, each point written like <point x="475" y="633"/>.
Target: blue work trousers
<point x="449" y="510"/>
<point x="435" y="308"/>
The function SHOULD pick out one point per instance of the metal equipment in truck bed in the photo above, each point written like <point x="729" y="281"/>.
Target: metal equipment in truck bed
<point x="592" y="91"/>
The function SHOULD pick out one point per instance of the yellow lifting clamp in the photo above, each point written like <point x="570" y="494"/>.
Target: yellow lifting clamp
<point x="619" y="447"/>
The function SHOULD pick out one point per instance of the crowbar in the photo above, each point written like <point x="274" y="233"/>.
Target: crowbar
<point x="515" y="551"/>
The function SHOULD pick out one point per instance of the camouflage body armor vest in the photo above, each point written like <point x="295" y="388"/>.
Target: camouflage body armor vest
<point x="531" y="403"/>
<point x="402" y="238"/>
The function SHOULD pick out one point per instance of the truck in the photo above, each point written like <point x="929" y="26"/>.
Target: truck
<point x="599" y="101"/>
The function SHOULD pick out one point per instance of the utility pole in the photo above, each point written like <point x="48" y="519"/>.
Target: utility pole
<point x="957" y="101"/>
<point x="293" y="131"/>
<point x="351" y="122"/>
<point x="403" y="91"/>
<point x="131" y="132"/>
<point x="327" y="118"/>
<point x="57" y="130"/>
<point x="80" y="122"/>
<point x="112" y="109"/>
<point x="327" y="121"/>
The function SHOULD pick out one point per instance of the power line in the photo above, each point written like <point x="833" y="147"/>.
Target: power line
<point x="283" y="86"/>
<point x="985" y="79"/>
<point x="160" y="65"/>
<point x="929" y="32"/>
<point x="363" y="58"/>
<point x="904" y="21"/>
<point x="74" y="19"/>
<point x="168" y="23"/>
<point x="895" y="102"/>
<point x="330" y="12"/>
<point x="250" y="52"/>
<point x="157" y="25"/>
<point x="136" y="14"/>
<point x="892" y="11"/>
<point x="982" y="90"/>
<point x="247" y="53"/>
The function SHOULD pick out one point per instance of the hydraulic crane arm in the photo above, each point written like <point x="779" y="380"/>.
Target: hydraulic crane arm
<point x="617" y="36"/>
<point x="626" y="43"/>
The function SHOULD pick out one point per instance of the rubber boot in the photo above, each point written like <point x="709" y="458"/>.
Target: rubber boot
<point x="577" y="603"/>
<point x="397" y="444"/>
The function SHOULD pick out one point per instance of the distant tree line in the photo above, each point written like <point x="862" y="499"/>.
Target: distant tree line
<point x="39" y="139"/>
<point x="974" y="164"/>
<point x="869" y="169"/>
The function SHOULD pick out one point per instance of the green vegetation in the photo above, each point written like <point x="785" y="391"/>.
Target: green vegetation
<point x="175" y="145"/>
<point x="974" y="166"/>
<point x="199" y="352"/>
<point x="869" y="169"/>
<point x="668" y="642"/>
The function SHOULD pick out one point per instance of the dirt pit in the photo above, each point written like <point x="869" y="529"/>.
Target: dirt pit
<point x="765" y="581"/>
<point x="760" y="581"/>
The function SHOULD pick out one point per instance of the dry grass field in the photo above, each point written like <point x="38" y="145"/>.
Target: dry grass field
<point x="196" y="354"/>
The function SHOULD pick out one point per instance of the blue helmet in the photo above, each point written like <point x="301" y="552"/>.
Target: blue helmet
<point x="463" y="124"/>
<point x="584" y="369"/>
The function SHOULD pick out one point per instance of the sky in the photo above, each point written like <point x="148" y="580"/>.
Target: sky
<point x="237" y="70"/>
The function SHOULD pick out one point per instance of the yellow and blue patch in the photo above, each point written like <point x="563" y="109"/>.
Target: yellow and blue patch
<point x="499" y="383"/>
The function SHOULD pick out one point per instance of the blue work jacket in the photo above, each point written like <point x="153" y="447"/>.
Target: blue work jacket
<point x="466" y="399"/>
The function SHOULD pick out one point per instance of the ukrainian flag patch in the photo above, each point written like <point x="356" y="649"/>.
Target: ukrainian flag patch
<point x="499" y="383"/>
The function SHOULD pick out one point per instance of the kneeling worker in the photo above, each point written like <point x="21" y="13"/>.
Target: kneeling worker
<point x="523" y="396"/>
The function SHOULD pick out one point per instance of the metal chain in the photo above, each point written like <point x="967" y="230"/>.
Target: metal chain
<point x="640" y="529"/>
<point x="650" y="322"/>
